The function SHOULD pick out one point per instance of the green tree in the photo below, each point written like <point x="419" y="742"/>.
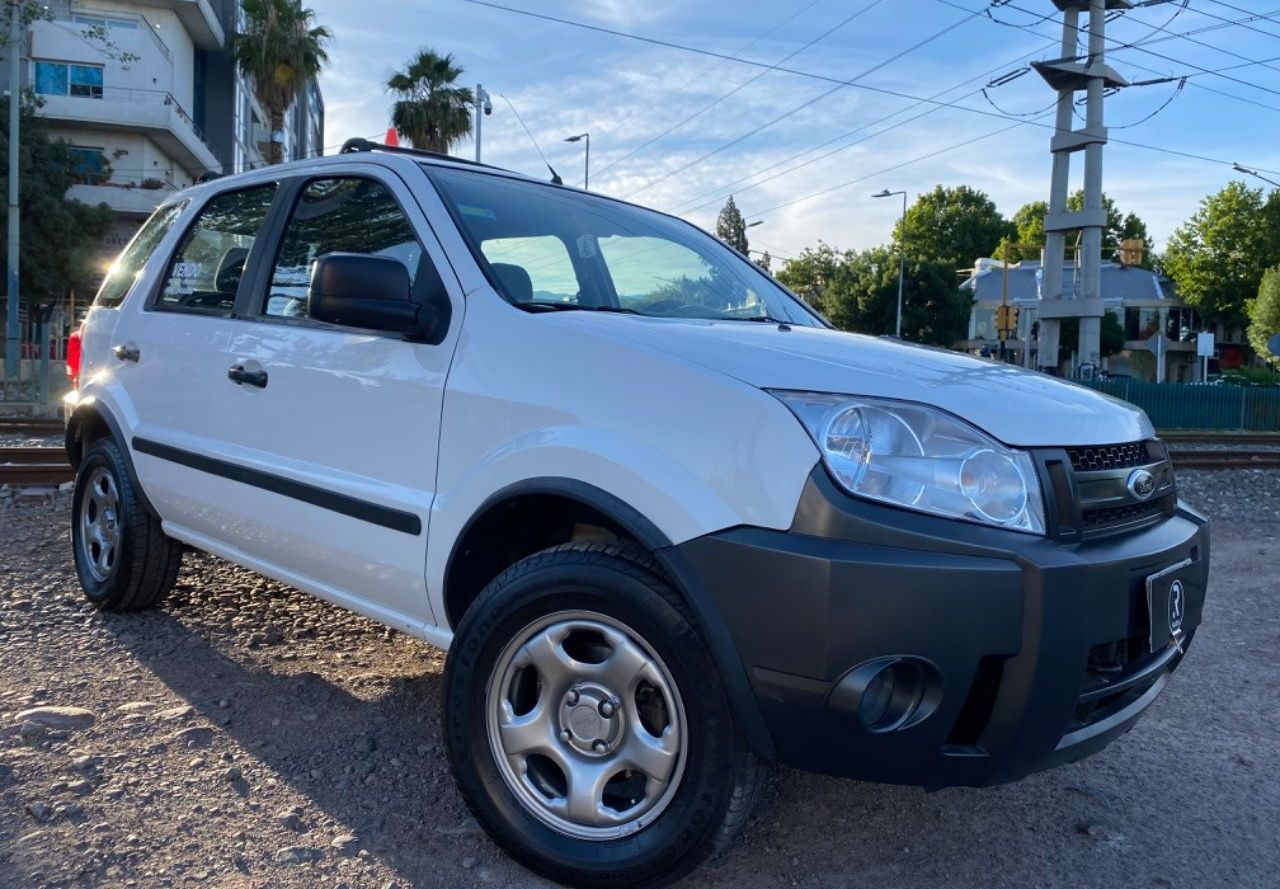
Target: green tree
<point x="731" y="227"/>
<point x="61" y="238"/>
<point x="1264" y="313"/>
<point x="954" y="226"/>
<point x="1110" y="340"/>
<point x="858" y="291"/>
<point x="1028" y="223"/>
<point x="432" y="110"/>
<point x="1217" y="257"/>
<point x="812" y="272"/>
<point x="280" y="50"/>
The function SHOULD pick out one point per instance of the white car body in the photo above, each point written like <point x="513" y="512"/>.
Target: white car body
<point x="359" y="472"/>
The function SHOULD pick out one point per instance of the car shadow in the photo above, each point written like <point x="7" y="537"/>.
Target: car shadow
<point x="363" y="749"/>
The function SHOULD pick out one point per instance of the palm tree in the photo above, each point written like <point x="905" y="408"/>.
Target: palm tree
<point x="430" y="110"/>
<point x="281" y="50"/>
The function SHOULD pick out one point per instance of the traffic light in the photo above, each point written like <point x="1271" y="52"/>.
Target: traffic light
<point x="1006" y="320"/>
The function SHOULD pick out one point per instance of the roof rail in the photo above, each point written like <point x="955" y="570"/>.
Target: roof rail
<point x="356" y="145"/>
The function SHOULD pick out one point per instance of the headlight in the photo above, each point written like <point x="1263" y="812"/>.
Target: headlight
<point x="921" y="458"/>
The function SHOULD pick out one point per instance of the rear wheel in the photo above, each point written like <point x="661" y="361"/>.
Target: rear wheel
<point x="124" y="561"/>
<point x="587" y="725"/>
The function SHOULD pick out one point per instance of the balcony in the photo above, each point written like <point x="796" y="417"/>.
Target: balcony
<point x="197" y="17"/>
<point x="155" y="113"/>
<point x="132" y="201"/>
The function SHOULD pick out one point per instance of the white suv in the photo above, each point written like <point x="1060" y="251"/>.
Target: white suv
<point x="669" y="524"/>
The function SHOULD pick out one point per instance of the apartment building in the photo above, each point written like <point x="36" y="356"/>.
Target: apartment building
<point x="148" y="96"/>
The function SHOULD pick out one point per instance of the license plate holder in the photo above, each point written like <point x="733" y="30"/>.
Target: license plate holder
<point x="1167" y="606"/>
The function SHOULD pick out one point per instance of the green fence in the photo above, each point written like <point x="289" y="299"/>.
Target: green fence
<point x="1179" y="406"/>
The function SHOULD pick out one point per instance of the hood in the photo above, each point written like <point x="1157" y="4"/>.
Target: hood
<point x="1016" y="406"/>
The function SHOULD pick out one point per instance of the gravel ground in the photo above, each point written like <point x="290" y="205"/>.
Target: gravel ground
<point x="245" y="735"/>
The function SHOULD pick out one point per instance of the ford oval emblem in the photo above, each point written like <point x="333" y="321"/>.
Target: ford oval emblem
<point x="1141" y="484"/>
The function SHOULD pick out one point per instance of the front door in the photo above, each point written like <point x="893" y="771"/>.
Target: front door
<point x="337" y="428"/>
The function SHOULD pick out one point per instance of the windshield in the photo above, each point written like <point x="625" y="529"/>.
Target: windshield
<point x="552" y="248"/>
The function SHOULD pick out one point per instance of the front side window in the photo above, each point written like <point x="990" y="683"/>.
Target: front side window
<point x="63" y="79"/>
<point x="210" y="260"/>
<point x="341" y="215"/>
<point x="554" y="248"/>
<point x="126" y="269"/>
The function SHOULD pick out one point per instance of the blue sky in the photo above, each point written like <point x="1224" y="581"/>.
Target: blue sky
<point x="565" y="80"/>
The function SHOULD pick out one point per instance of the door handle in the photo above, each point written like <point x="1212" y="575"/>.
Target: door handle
<point x="126" y="352"/>
<point x="238" y="375"/>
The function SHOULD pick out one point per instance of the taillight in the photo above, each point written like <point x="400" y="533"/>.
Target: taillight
<point x="73" y="357"/>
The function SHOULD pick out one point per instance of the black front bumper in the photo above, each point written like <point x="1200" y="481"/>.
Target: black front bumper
<point x="1036" y="651"/>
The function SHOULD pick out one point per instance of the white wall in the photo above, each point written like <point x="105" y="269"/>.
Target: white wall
<point x="151" y="75"/>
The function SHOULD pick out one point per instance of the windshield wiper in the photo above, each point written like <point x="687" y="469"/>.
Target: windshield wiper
<point x="578" y="307"/>
<point x="763" y="319"/>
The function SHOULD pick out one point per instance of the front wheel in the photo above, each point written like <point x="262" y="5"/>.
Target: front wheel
<point x="586" y="723"/>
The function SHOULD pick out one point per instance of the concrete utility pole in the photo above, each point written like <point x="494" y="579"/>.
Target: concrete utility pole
<point x="483" y="107"/>
<point x="15" y="97"/>
<point x="1069" y="75"/>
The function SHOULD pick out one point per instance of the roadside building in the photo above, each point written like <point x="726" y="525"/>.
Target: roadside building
<point x="1142" y="301"/>
<point x="150" y="99"/>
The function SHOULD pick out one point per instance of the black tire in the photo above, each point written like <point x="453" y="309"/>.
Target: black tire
<point x="721" y="778"/>
<point x="145" y="565"/>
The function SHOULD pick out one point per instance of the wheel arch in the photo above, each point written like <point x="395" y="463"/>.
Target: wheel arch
<point x="90" y="420"/>
<point x="605" y="509"/>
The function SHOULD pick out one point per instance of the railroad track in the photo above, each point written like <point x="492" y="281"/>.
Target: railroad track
<point x="1193" y="436"/>
<point x="1184" y="458"/>
<point x="25" y="467"/>
<point x="30" y="425"/>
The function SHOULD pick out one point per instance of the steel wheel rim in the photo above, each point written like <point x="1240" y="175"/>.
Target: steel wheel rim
<point x="617" y="772"/>
<point x="100" y="524"/>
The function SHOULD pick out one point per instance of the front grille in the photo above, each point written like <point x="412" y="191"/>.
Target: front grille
<point x="1098" y="458"/>
<point x="1122" y="516"/>
<point x="1092" y="499"/>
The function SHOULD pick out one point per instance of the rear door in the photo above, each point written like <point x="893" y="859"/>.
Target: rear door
<point x="169" y="355"/>
<point x="335" y="430"/>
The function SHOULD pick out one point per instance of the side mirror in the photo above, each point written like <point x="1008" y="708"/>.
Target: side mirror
<point x="359" y="290"/>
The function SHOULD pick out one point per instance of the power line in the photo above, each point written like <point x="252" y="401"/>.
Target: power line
<point x="1004" y="67"/>
<point x="1253" y="17"/>
<point x="860" y="86"/>
<point x="1190" y="39"/>
<point x="703" y="110"/>
<point x="1150" y="52"/>
<point x="897" y="166"/>
<point x="796" y="110"/>
<point x="1200" y="73"/>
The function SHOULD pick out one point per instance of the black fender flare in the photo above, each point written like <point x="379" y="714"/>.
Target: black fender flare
<point x="89" y="409"/>
<point x="679" y="571"/>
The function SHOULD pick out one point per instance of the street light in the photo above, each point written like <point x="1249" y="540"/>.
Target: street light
<point x="1241" y="168"/>
<point x="902" y="252"/>
<point x="754" y="224"/>
<point x="586" y="163"/>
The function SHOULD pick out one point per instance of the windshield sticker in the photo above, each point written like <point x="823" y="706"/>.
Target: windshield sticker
<point x="479" y="212"/>
<point x="586" y="247"/>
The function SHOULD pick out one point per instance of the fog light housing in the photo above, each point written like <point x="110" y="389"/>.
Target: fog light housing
<point x="889" y="694"/>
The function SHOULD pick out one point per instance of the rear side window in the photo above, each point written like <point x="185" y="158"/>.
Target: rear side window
<point x="209" y="262"/>
<point x="344" y="215"/>
<point x="128" y="266"/>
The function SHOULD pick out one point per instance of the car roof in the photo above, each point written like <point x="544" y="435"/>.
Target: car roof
<point x="366" y="153"/>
